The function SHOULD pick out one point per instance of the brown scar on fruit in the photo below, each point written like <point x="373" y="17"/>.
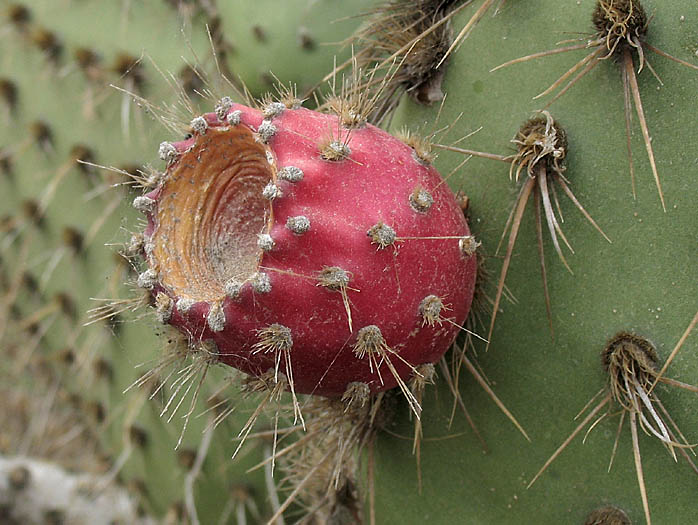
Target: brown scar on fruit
<point x="630" y="362"/>
<point x="621" y="33"/>
<point x="172" y="238"/>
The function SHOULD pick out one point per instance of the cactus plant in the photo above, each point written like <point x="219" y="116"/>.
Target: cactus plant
<point x="640" y="285"/>
<point x="65" y="371"/>
<point x="545" y="381"/>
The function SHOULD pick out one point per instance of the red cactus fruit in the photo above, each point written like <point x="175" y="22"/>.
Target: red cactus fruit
<point x="338" y="261"/>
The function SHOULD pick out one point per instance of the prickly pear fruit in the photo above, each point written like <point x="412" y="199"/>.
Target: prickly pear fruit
<point x="323" y="251"/>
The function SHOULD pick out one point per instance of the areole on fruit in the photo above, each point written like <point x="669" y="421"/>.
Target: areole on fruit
<point x="284" y="256"/>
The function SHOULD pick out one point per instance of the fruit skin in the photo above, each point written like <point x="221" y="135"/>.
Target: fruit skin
<point x="371" y="185"/>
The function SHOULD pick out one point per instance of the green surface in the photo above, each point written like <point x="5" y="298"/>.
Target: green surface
<point x="267" y="37"/>
<point x="120" y="133"/>
<point x="645" y="281"/>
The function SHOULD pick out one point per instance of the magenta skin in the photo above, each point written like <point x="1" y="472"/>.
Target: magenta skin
<point x="342" y="199"/>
